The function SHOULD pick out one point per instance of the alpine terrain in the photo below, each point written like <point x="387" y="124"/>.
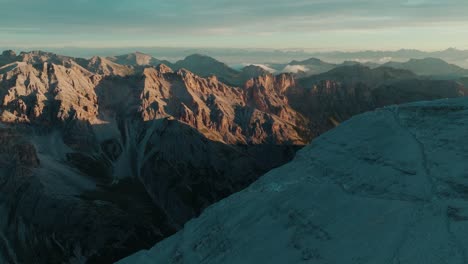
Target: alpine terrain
<point x="387" y="186"/>
<point x="104" y="156"/>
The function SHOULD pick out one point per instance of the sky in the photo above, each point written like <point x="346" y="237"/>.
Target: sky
<point x="279" y="24"/>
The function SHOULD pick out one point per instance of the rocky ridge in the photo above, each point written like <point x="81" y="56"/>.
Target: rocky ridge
<point x="384" y="187"/>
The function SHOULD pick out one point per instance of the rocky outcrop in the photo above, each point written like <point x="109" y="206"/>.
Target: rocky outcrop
<point x="47" y="93"/>
<point x="384" y="187"/>
<point x="220" y="112"/>
<point x="268" y="94"/>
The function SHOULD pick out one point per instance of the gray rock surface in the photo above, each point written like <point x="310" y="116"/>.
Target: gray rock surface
<point x="384" y="187"/>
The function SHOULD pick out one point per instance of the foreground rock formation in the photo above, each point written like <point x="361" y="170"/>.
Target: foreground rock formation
<point x="384" y="187"/>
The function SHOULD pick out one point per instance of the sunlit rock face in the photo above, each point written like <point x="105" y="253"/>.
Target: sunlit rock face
<point x="384" y="187"/>
<point x="99" y="160"/>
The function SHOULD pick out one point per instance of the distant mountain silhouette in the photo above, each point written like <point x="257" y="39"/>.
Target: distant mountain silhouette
<point x="430" y="66"/>
<point x="136" y="59"/>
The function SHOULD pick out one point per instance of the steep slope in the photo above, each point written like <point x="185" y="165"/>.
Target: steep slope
<point x="430" y="66"/>
<point x="50" y="92"/>
<point x="417" y="90"/>
<point x="335" y="96"/>
<point x="78" y="194"/>
<point x="267" y="93"/>
<point x="46" y="93"/>
<point x="332" y="102"/>
<point x="219" y="111"/>
<point x="385" y="187"/>
<point x="53" y="213"/>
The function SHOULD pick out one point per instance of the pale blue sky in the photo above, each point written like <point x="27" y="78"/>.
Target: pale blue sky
<point x="315" y="24"/>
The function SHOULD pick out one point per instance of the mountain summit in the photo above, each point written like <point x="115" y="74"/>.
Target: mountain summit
<point x="135" y="59"/>
<point x="206" y="66"/>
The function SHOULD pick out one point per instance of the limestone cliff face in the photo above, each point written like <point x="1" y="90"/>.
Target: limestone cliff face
<point x="254" y="114"/>
<point x="268" y="93"/>
<point x="258" y="113"/>
<point x="96" y="164"/>
<point x="47" y="92"/>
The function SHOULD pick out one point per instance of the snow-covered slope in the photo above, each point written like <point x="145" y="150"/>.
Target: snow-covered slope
<point x="389" y="186"/>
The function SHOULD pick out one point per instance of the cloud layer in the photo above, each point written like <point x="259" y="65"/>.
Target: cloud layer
<point x="235" y="23"/>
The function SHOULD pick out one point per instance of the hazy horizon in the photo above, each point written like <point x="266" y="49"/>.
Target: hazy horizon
<point x="236" y="57"/>
<point x="19" y="48"/>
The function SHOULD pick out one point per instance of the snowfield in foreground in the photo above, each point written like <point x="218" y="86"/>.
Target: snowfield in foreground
<point x="389" y="186"/>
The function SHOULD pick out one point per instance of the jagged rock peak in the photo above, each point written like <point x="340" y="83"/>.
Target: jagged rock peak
<point x="184" y="72"/>
<point x="280" y="83"/>
<point x="96" y="59"/>
<point x="163" y="68"/>
<point x="39" y="57"/>
<point x="308" y="61"/>
<point x="286" y="79"/>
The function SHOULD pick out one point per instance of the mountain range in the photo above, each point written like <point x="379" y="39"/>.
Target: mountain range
<point x="237" y="56"/>
<point x="430" y="67"/>
<point x="104" y="156"/>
